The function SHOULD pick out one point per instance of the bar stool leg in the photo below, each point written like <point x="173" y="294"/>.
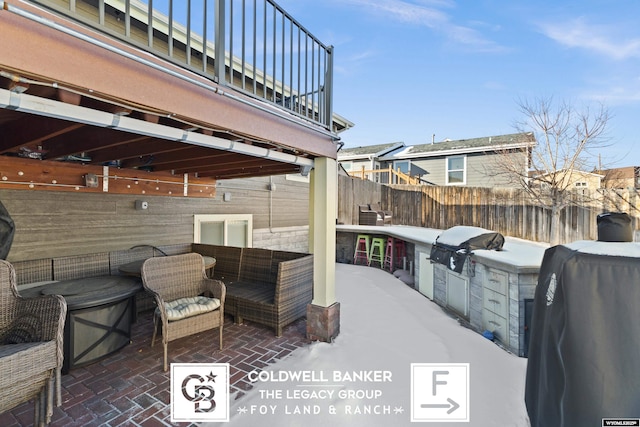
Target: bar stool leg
<point x="377" y="251"/>
<point x="388" y="255"/>
<point x="362" y="249"/>
<point x="400" y="251"/>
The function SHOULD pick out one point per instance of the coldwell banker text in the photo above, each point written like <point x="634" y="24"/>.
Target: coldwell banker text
<point x="319" y="376"/>
<point x="351" y="393"/>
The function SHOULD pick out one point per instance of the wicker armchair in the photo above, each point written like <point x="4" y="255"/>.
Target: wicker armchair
<point x="31" y="347"/>
<point x="176" y="277"/>
<point x="372" y="214"/>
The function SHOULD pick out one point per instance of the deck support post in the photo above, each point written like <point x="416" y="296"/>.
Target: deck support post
<point x="323" y="314"/>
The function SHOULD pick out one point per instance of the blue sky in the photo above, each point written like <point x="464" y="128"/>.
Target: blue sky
<point x="407" y="69"/>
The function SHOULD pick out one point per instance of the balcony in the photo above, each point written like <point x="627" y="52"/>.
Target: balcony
<point x="267" y="53"/>
<point x="138" y="85"/>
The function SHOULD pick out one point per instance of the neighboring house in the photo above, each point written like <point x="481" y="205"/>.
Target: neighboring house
<point x="470" y="162"/>
<point x="359" y="160"/>
<point x="570" y="179"/>
<point x="626" y="177"/>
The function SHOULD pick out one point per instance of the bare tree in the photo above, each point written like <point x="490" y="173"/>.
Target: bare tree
<point x="568" y="142"/>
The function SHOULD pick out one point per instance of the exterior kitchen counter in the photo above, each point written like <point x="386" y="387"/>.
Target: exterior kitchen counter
<point x="493" y="293"/>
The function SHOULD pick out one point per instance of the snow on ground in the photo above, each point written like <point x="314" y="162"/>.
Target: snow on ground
<point x="385" y="326"/>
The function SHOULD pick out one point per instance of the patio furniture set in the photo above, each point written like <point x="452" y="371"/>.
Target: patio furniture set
<point x="373" y="214"/>
<point x="272" y="288"/>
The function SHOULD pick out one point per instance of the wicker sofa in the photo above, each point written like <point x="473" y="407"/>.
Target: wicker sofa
<point x="372" y="214"/>
<point x="269" y="287"/>
<point x="265" y="286"/>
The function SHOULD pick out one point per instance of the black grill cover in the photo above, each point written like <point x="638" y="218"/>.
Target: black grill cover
<point x="7" y="228"/>
<point x="584" y="354"/>
<point x="614" y="227"/>
<point x="453" y="245"/>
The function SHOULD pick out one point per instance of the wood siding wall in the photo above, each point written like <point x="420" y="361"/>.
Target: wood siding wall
<point x="480" y="172"/>
<point x="51" y="224"/>
<point x="508" y="211"/>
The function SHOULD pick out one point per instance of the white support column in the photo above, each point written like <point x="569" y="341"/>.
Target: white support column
<point x="324" y="193"/>
<point x="323" y="314"/>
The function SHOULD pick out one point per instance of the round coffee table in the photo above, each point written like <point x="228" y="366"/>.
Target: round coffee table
<point x="100" y="311"/>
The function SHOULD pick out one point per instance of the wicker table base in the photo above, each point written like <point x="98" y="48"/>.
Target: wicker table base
<point x="100" y="311"/>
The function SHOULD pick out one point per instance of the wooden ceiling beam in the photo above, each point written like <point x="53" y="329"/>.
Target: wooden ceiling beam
<point x="32" y="130"/>
<point x="252" y="172"/>
<point x="188" y="154"/>
<point x="68" y="97"/>
<point x="150" y="146"/>
<point x="185" y="162"/>
<point x="85" y="140"/>
<point x="220" y="171"/>
<point x="238" y="160"/>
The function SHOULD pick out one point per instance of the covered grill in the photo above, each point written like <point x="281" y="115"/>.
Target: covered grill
<point x="585" y="337"/>
<point x="454" y="245"/>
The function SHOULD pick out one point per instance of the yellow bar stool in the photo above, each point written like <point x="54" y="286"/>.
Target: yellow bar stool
<point x="363" y="242"/>
<point x="377" y="251"/>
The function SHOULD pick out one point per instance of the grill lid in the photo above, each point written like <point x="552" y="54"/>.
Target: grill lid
<point x="454" y="245"/>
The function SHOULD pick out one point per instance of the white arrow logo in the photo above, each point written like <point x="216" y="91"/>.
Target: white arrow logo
<point x="452" y="405"/>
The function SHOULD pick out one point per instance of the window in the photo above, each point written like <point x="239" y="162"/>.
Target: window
<point x="456" y="170"/>
<point x="226" y="230"/>
<point x="347" y="166"/>
<point x="403" y="166"/>
<point x="581" y="184"/>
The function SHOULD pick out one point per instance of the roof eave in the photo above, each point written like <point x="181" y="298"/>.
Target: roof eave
<point x="455" y="151"/>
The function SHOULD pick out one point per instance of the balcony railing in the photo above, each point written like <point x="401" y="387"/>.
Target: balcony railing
<point x="267" y="54"/>
<point x="386" y="176"/>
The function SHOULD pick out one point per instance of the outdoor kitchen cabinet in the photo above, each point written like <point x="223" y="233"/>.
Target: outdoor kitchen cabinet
<point x="495" y="304"/>
<point x="489" y="295"/>
<point x="499" y="293"/>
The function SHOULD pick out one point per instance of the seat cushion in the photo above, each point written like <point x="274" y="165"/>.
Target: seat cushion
<point x="190" y="306"/>
<point x="251" y="291"/>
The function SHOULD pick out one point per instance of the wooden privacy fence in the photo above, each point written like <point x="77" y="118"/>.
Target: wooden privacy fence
<point x="509" y="211"/>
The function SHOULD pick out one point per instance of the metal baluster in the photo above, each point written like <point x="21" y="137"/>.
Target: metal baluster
<point x="150" y="25"/>
<point x="231" y="14"/>
<point x="204" y="37"/>
<point x="188" y="47"/>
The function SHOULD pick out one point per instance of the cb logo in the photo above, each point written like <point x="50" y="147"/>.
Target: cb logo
<point x="199" y="392"/>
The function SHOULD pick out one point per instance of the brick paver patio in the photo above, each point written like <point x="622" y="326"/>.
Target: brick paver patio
<point x="129" y="388"/>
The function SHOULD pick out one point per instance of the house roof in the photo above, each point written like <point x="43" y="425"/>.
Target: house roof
<point x="464" y="146"/>
<point x="571" y="172"/>
<point x="627" y="172"/>
<point x="368" y="151"/>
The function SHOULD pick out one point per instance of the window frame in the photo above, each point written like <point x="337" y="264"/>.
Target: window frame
<point x="199" y="219"/>
<point x="463" y="170"/>
<point x="395" y="168"/>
